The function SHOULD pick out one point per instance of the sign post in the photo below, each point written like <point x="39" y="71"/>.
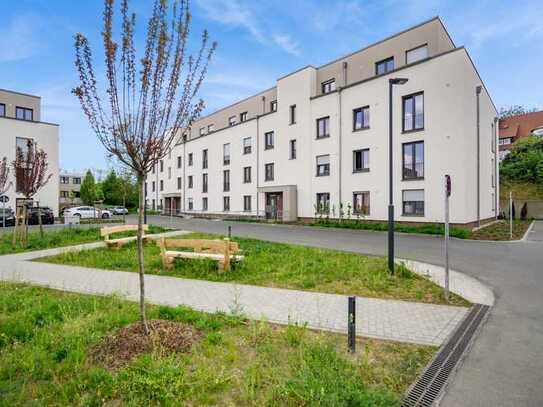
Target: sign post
<point x="447" y="195"/>
<point x="4" y="199"/>
<point x="511" y="215"/>
<point x="351" y="325"/>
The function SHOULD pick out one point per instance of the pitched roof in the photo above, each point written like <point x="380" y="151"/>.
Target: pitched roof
<point x="521" y="125"/>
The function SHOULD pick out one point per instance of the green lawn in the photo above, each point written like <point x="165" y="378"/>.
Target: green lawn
<point x="278" y="265"/>
<point x="46" y="335"/>
<point x="59" y="238"/>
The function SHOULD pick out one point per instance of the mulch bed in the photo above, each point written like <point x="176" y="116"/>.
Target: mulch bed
<point x="116" y="351"/>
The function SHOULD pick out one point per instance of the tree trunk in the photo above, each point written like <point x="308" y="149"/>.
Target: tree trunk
<point x="140" y="254"/>
<point x="25" y="226"/>
<point x="16" y="228"/>
<point x="40" y="222"/>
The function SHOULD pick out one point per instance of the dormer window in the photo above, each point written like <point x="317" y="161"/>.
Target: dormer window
<point x="416" y="54"/>
<point x="24" y="113"/>
<point x="2" y="110"/>
<point x="328" y="86"/>
<point x="273" y="106"/>
<point x="232" y="120"/>
<point x="384" y="66"/>
<point x="243" y="117"/>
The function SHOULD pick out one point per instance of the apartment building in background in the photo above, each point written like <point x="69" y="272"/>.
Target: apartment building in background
<point x="20" y="122"/>
<point x="318" y="141"/>
<point x="516" y="127"/>
<point x="69" y="189"/>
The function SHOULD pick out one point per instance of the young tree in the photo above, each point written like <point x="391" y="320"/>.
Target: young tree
<point x="111" y="187"/>
<point x="4" y="176"/>
<point x="30" y="168"/>
<point x="87" y="191"/>
<point x="149" y="101"/>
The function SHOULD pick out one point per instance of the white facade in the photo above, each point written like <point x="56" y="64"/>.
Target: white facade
<point x="448" y="82"/>
<point x="44" y="134"/>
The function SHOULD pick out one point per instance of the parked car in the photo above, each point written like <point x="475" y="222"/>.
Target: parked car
<point x="9" y="216"/>
<point x="87" y="212"/>
<point x="47" y="216"/>
<point x="119" y="210"/>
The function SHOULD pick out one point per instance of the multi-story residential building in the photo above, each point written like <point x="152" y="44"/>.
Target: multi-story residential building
<point x="70" y="187"/>
<point x="20" y="122"/>
<point x="319" y="139"/>
<point x="515" y="127"/>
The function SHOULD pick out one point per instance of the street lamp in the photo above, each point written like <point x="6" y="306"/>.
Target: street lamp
<point x="391" y="83"/>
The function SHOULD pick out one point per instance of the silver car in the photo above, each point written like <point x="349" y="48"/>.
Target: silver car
<point x="87" y="212"/>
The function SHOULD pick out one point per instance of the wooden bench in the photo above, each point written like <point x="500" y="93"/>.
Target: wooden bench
<point x="106" y="231"/>
<point x="222" y="251"/>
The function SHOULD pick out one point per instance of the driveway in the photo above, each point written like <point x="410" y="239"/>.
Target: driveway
<point x="505" y="365"/>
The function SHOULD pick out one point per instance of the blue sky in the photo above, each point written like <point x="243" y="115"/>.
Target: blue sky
<point x="260" y="41"/>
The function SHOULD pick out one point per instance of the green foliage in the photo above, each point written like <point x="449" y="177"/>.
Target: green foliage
<point x="88" y="189"/>
<point x="111" y="188"/>
<point x="525" y="161"/>
<point x="119" y="189"/>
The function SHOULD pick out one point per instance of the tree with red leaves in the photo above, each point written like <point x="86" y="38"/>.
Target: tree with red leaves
<point x="4" y="176"/>
<point x="147" y="104"/>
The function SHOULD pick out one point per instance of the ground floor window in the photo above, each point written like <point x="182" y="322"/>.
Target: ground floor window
<point x="204" y="204"/>
<point x="247" y="203"/>
<point x="191" y="204"/>
<point x="268" y="172"/>
<point x="361" y="203"/>
<point x="413" y="202"/>
<point x="323" y="202"/>
<point x="226" y="203"/>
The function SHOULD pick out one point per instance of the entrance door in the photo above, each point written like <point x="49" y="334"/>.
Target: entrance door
<point x="274" y="205"/>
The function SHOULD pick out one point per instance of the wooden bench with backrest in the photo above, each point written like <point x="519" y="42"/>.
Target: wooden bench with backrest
<point x="107" y="231"/>
<point x="222" y="251"/>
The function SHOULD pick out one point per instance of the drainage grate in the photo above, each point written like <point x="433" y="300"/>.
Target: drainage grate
<point x="434" y="378"/>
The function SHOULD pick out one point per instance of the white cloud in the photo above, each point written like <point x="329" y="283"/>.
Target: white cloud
<point x="287" y="44"/>
<point x="19" y="40"/>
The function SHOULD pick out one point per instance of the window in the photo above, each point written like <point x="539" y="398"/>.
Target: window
<point x="384" y="66"/>
<point x="416" y="54"/>
<point x="328" y="86"/>
<point x="232" y="120"/>
<point x="268" y="140"/>
<point x="361" y="160"/>
<point x="246" y="175"/>
<point x="64" y="194"/>
<point x="210" y="128"/>
<point x="204" y="159"/>
<point x="153" y="185"/>
<point x="191" y="204"/>
<point x="273" y="106"/>
<point x="413" y="202"/>
<point x="243" y="117"/>
<point x="179" y="162"/>
<point x="191" y="181"/>
<point x="413" y="160"/>
<point x="323" y="127"/>
<point x="169" y="172"/>
<point x="323" y="165"/>
<point x="247" y="203"/>
<point x="492" y="138"/>
<point x="505" y="141"/>
<point x="202" y="131"/>
<point x="226" y="203"/>
<point x="76" y="180"/>
<point x="153" y="168"/>
<point x="2" y="110"/>
<point x="292" y="150"/>
<point x="162" y="185"/>
<point x="361" y="118"/>
<point x="190" y="159"/>
<point x="178" y="182"/>
<point x="204" y="183"/>
<point x="323" y="202"/>
<point x="293" y="114"/>
<point x="204" y="204"/>
<point x="493" y="172"/>
<point x="24" y="113"/>
<point x="226" y="154"/>
<point x="361" y="203"/>
<point x="413" y="112"/>
<point x="64" y="180"/>
<point x="226" y="180"/>
<point x="268" y="172"/>
<point x="247" y="145"/>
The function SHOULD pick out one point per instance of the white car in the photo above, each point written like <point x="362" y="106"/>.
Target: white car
<point x="119" y="210"/>
<point x="87" y="212"/>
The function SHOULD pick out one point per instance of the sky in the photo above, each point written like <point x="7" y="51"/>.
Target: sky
<point x="260" y="41"/>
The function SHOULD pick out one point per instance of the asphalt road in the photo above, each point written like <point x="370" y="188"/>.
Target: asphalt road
<point x="505" y="364"/>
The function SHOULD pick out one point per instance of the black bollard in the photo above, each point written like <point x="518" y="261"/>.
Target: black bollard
<point x="229" y="232"/>
<point x="351" y="325"/>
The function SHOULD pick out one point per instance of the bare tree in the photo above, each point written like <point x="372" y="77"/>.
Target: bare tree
<point x="30" y="168"/>
<point x="147" y="103"/>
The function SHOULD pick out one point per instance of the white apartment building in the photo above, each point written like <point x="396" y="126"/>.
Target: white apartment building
<point x="69" y="189"/>
<point x="20" y="121"/>
<point x="319" y="140"/>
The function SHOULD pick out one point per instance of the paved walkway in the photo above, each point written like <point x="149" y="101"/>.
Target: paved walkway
<point x="384" y="319"/>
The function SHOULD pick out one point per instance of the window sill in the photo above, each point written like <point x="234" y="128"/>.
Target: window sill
<point x="322" y="175"/>
<point x="412" y="131"/>
<point x="268" y="148"/>
<point x="413" y="179"/>
<point x="322" y="137"/>
<point x="268" y="180"/>
<point x="292" y="124"/>
<point x="412" y="215"/>
<point x="361" y="129"/>
<point x="361" y="171"/>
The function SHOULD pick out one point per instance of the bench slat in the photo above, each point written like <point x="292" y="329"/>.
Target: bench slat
<point x="109" y="230"/>
<point x="193" y="255"/>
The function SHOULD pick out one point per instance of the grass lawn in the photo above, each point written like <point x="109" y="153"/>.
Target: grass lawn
<point x="278" y="265"/>
<point x="500" y="230"/>
<point x="59" y="238"/>
<point x="46" y="335"/>
<point x="520" y="190"/>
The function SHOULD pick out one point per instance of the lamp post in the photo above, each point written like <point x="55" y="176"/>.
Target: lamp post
<point x="391" y="83"/>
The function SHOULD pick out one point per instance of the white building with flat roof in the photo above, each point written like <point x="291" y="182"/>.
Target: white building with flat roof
<point x="20" y="121"/>
<point x="319" y="140"/>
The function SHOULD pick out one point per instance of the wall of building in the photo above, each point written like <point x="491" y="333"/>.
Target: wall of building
<point x="14" y="99"/>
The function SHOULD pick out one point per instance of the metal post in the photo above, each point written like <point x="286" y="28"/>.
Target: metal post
<point x="229" y="232"/>
<point x="390" y="199"/>
<point x="351" y="325"/>
<point x="3" y="213"/>
<point x="447" y="193"/>
<point x="510" y="215"/>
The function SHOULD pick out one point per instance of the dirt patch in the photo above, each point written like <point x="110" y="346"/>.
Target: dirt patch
<point x="116" y="351"/>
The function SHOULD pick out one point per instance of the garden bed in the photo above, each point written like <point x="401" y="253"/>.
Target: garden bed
<point x="47" y="338"/>
<point x="501" y="230"/>
<point x="277" y="265"/>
